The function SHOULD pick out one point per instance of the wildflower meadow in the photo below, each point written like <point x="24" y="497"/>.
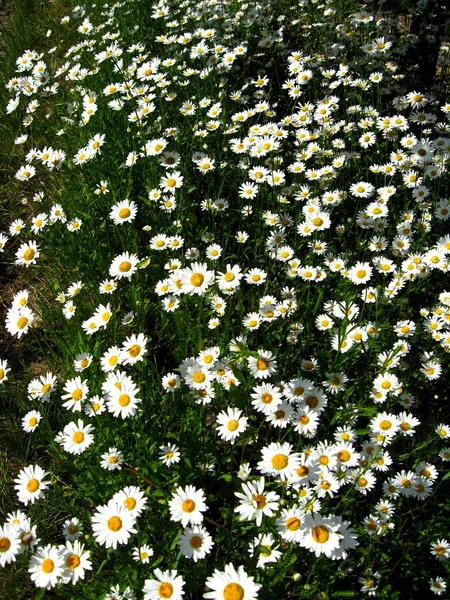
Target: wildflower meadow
<point x="225" y="314"/>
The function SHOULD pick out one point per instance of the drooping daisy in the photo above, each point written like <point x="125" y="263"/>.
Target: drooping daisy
<point x="195" y="543"/>
<point x="264" y="547"/>
<point x="30" y="484"/>
<point x="187" y="505"/>
<point x="113" y="524"/>
<point x="231" y="584"/>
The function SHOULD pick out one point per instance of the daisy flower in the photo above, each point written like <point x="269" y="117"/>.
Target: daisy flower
<point x="187" y="505"/>
<point x="262" y="366"/>
<point x="9" y="544"/>
<point x="77" y="437"/>
<point x="113" y="524"/>
<point x="76" y="391"/>
<point x="170" y="454"/>
<point x="72" y="529"/>
<point x="123" y="402"/>
<point x="195" y="543"/>
<point x="263" y="546"/>
<point x="360" y="273"/>
<point x="133" y="349"/>
<point x="278" y="461"/>
<point x="196" y="278"/>
<point x="27" y="254"/>
<point x="441" y="549"/>
<point x="31" y="484"/>
<point x="31" y="421"/>
<point x="171" y="181"/>
<point x="166" y="584"/>
<point x="232" y="584"/>
<point x="319" y="534"/>
<point x="143" y="554"/>
<point x="76" y="561"/>
<point x="18" y="321"/>
<point x="255" y="502"/>
<point x="123" y="266"/>
<point x="47" y="567"/>
<point x="112" y="460"/>
<point x="362" y="189"/>
<point x="231" y="424"/>
<point x="266" y="398"/>
<point x="110" y="359"/>
<point x="133" y="499"/>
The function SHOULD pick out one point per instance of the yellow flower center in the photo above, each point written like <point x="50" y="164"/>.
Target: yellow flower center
<point x="320" y="534"/>
<point x="233" y="591"/>
<point x="114" y="523"/>
<point x="33" y="485"/>
<point x="5" y="544"/>
<point x="280" y="461"/>
<point x="29" y="254"/>
<point x="130" y="502"/>
<point x="262" y="364"/>
<point x="293" y="524"/>
<point x="32" y="422"/>
<point x="47" y="565"/>
<point x="124" y="400"/>
<point x="344" y="455"/>
<point x="22" y="322"/>
<point x="188" y="506"/>
<point x="385" y="425"/>
<point x="73" y="561"/>
<point x="197" y="279"/>
<point x="77" y="395"/>
<point x="233" y="425"/>
<point x="124" y="266"/>
<point x="78" y="437"/>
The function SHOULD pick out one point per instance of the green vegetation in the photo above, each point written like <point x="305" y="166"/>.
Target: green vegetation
<point x="226" y="314"/>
